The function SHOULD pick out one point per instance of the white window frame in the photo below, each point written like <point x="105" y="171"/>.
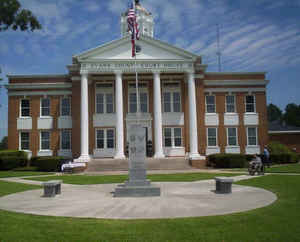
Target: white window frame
<point x="104" y="91"/>
<point x="20" y="140"/>
<point x="173" y="137"/>
<point x="172" y="90"/>
<point x="248" y="136"/>
<point x="70" y="109"/>
<point x="210" y="104"/>
<point x="254" y="103"/>
<point x="105" y="138"/>
<point x="216" y="137"/>
<point x="236" y="138"/>
<point x="141" y="90"/>
<point x="41" y="140"/>
<point x="20" y="108"/>
<point x="49" y="107"/>
<point x="70" y="135"/>
<point x="234" y="103"/>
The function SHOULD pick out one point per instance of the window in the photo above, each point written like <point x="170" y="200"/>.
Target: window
<point x="45" y="140"/>
<point x="45" y="107"/>
<point x="143" y="102"/>
<point x="24" y="141"/>
<point x="211" y="136"/>
<point x="65" y="107"/>
<point x="230" y="104"/>
<point x="250" y="104"/>
<point x="171" y="101"/>
<point x="172" y="137"/>
<point x="252" y="135"/>
<point x="105" y="138"/>
<point x="231" y="136"/>
<point x="104" y="103"/>
<point x="65" y="143"/>
<point x="210" y="104"/>
<point x="25" y="108"/>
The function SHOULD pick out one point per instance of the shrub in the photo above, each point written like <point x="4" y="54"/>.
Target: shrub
<point x="278" y="148"/>
<point x="10" y="159"/>
<point x="26" y="168"/>
<point x="47" y="163"/>
<point x="228" y="160"/>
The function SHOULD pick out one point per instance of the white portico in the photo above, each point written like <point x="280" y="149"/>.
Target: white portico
<point x="156" y="58"/>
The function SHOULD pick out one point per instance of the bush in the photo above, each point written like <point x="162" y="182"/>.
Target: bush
<point x="280" y="153"/>
<point x="26" y="168"/>
<point x="47" y="163"/>
<point x="284" y="158"/>
<point x="10" y="159"/>
<point x="228" y="160"/>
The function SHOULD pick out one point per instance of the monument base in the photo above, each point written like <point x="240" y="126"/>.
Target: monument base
<point x="137" y="191"/>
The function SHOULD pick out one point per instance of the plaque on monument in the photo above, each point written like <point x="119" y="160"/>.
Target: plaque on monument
<point x="137" y="185"/>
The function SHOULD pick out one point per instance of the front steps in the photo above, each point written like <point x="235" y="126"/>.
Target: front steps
<point x="170" y="163"/>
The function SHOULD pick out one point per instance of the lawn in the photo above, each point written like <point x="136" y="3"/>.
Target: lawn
<point x="277" y="223"/>
<point x="108" y="179"/>
<point x="4" y="174"/>
<point x="286" y="168"/>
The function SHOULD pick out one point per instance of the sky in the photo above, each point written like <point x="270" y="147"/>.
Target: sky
<point x="255" y="35"/>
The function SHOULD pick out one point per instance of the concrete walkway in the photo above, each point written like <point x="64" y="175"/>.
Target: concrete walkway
<point x="178" y="199"/>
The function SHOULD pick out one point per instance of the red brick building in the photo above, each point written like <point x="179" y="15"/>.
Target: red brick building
<point x="185" y="110"/>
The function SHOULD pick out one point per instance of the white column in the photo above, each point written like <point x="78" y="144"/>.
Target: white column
<point x="119" y="112"/>
<point x="84" y="107"/>
<point x="194" y="154"/>
<point x="157" y="117"/>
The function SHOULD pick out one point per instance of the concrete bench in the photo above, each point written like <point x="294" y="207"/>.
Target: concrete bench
<point x="52" y="188"/>
<point x="223" y="185"/>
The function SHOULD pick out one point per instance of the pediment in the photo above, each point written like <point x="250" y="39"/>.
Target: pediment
<point x="151" y="49"/>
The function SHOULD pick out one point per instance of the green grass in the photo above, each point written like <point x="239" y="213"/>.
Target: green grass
<point x="278" y="222"/>
<point x="4" y="174"/>
<point x="286" y="168"/>
<point x="12" y="187"/>
<point x="108" y="179"/>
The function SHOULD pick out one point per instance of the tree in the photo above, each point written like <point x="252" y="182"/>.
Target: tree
<point x="4" y="143"/>
<point x="12" y="16"/>
<point x="292" y="114"/>
<point x="274" y="113"/>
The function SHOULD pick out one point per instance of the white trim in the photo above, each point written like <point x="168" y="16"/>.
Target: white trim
<point x="210" y="104"/>
<point x="55" y="85"/>
<point x="233" y="103"/>
<point x="175" y="77"/>
<point x="173" y="137"/>
<point x="231" y="89"/>
<point x="209" y="146"/>
<point x="45" y="116"/>
<point x="236" y="82"/>
<point x="60" y="140"/>
<point x="254" y="99"/>
<point x="33" y="93"/>
<point x="20" y="145"/>
<point x="247" y="127"/>
<point x="37" y="76"/>
<point x="236" y="73"/>
<point x="60" y="106"/>
<point x="20" y="108"/>
<point x="40" y="148"/>
<point x="285" y="132"/>
<point x="236" y="137"/>
<point x="104" y="91"/>
<point x="141" y="90"/>
<point x="105" y="139"/>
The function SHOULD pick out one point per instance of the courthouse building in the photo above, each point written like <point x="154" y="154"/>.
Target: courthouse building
<point x="185" y="110"/>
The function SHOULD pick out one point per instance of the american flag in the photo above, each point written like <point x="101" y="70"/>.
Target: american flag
<point x="132" y="27"/>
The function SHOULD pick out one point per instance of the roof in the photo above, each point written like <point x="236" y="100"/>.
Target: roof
<point x="276" y="127"/>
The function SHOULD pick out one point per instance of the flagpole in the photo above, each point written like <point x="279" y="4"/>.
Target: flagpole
<point x="138" y="113"/>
